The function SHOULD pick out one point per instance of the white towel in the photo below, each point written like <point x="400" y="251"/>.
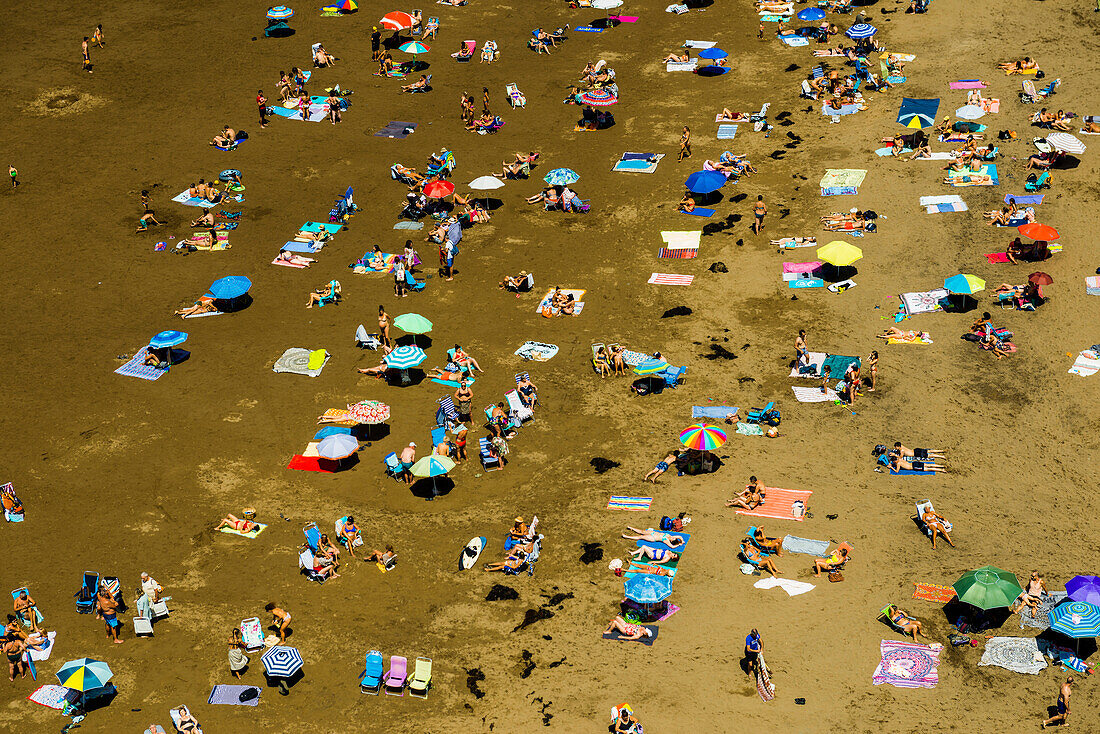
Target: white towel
<point x="1087" y="364"/>
<point x="699" y="44"/>
<point x="44" y="653"/>
<point x="682" y="240"/>
<point x="816" y="360"/>
<point x="792" y="587"/>
<point x="814" y="395"/>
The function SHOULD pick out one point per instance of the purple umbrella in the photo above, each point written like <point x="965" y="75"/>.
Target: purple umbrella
<point x="1084" y="588"/>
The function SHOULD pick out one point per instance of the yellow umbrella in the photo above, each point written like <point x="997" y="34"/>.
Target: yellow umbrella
<point x="839" y="253"/>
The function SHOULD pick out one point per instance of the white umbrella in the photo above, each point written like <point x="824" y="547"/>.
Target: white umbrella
<point x="486" y="183"/>
<point x="970" y="112"/>
<point x="1066" y="143"/>
<point x="338" y="446"/>
<point x="606" y="4"/>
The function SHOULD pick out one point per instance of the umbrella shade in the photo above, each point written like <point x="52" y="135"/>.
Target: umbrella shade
<point x="606" y="4"/>
<point x="397" y="21"/>
<point x="839" y="253"/>
<point x="331" y="431"/>
<point x="279" y="12"/>
<point x="599" y="98"/>
<point x="230" y="286"/>
<point x="1084" y="588"/>
<point x="340" y="446"/>
<point x="84" y="674"/>
<point x="987" y="587"/>
<point x="703" y="437"/>
<point x="370" y="412"/>
<point x="969" y="112"/>
<point x="413" y="323"/>
<point x="561" y="177"/>
<point x="432" y="466"/>
<point x="414" y="47"/>
<point x="1066" y="143"/>
<point x="861" y="30"/>
<point x="439" y="189"/>
<point x="705" y="182"/>
<point x="282" y="661"/>
<point x="918" y="113"/>
<point x="713" y="53"/>
<point x="1040" y="278"/>
<point x="651" y="367"/>
<point x="486" y="183"/>
<point x="1076" y="619"/>
<point x="964" y="283"/>
<point x="1037" y="231"/>
<point x="647" y="588"/>
<point x="405" y="357"/>
<point x="168" y="339"/>
<point x="811" y="14"/>
<point x="348" y="6"/>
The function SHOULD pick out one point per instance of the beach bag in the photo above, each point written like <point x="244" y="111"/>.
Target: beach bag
<point x="835" y="576"/>
<point x="674" y="524"/>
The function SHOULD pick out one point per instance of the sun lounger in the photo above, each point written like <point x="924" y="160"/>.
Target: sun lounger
<point x="926" y="506"/>
<point x="176" y="718"/>
<point x="394" y="682"/>
<point x="421" y="679"/>
<point x="305" y="564"/>
<point x="371" y="679"/>
<point x="515" y="97"/>
<point x="516" y="408"/>
<point x="489" y="461"/>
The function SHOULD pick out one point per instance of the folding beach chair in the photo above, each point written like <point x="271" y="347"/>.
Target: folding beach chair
<point x="412" y="283"/>
<point x="252" y="634"/>
<point x="528" y="562"/>
<point x="808" y="91"/>
<point x="1028" y="95"/>
<point x="443" y="169"/>
<point x="447" y="413"/>
<point x="305" y="565"/>
<point x="527" y="376"/>
<point x="333" y="298"/>
<point x="926" y="506"/>
<point x="363" y="340"/>
<point x="426" y="88"/>
<point x="467" y="52"/>
<point x="756" y="415"/>
<point x="393" y="466"/>
<point x="371" y="679"/>
<point x="884" y="615"/>
<point x="489" y="460"/>
<point x="85" y="598"/>
<point x="174" y="713"/>
<point x="394" y="682"/>
<point x="430" y="28"/>
<point x="1035" y="184"/>
<point x="515" y="97"/>
<point x="421" y="679"/>
<point x="750" y="533"/>
<point x="313" y="536"/>
<point x="517" y="409"/>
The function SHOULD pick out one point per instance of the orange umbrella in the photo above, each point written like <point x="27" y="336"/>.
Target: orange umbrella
<point x="397" y="21"/>
<point x="1040" y="278"/>
<point x="439" y="189"/>
<point x="1038" y="231"/>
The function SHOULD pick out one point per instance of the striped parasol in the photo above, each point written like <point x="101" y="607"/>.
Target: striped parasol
<point x="282" y="661"/>
<point x="84" y="674"/>
<point x="1076" y="619"/>
<point x="651" y="367"/>
<point x="405" y="357"/>
<point x="279" y="12"/>
<point x="599" y="98"/>
<point x="1066" y="143"/>
<point x="369" y="412"/>
<point x="415" y="47"/>
<point x="861" y="30"/>
<point x="703" y="437"/>
<point x="397" y="21"/>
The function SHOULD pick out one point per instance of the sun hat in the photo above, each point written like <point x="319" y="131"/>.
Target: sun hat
<point x="616" y="563"/>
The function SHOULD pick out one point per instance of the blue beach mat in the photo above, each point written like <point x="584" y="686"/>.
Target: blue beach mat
<point x="727" y="132"/>
<point x="718" y="412"/>
<point x="699" y="212"/>
<point x="318" y="226"/>
<point x="806" y="283"/>
<point x="588" y="29"/>
<point x="910" y="473"/>
<point x="1030" y="199"/>
<point x="451" y="383"/>
<point x="662" y="546"/>
<point x="303" y="247"/>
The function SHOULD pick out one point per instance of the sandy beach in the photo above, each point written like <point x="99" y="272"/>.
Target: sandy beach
<point x="121" y="475"/>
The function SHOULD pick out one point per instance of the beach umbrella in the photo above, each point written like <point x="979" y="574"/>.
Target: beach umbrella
<point x="415" y="47"/>
<point x="703" y="437"/>
<point x="705" y="182"/>
<point x="861" y="30"/>
<point x="1037" y="231"/>
<point x="282" y="661"/>
<point x="969" y="112"/>
<point x="279" y="12"/>
<point x="168" y="338"/>
<point x="369" y="412"/>
<point x="1084" y="588"/>
<point x="84" y="674"/>
<point x="348" y="6"/>
<point x="964" y="283"/>
<point x="811" y="14"/>
<point x="651" y="367"/>
<point x="599" y="98"/>
<point x="439" y="189"/>
<point x="1039" y="278"/>
<point x="647" y="588"/>
<point x="839" y="253"/>
<point x="432" y="466"/>
<point x="413" y="323"/>
<point x="561" y="177"/>
<point x="712" y="53"/>
<point x="331" y="431"/>
<point x="397" y="21"/>
<point x="918" y="113"/>
<point x="1076" y="619"/>
<point x="230" y="287"/>
<point x="339" y="446"/>
<point x="987" y="587"/>
<point x="485" y="183"/>
<point x="1066" y="143"/>
<point x="404" y="358"/>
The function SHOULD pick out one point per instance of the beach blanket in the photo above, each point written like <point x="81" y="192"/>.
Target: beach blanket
<point x="842" y="177"/>
<point x="814" y="394"/>
<point x="1025" y="199"/>
<point x="749" y="429"/>
<point x="933" y="592"/>
<point x="43" y="654"/>
<point x="663" y="546"/>
<point x="963" y="178"/>
<point x="137" y="368"/>
<point x="807" y="546"/>
<point x="764" y="685"/>
<point x="907" y="665"/>
<point x="231" y="695"/>
<point x="577" y="293"/>
<point x="670" y="279"/>
<point x="923" y="301"/>
<point x="889" y="151"/>
<point x="839" y="191"/>
<point x="312" y="463"/>
<point x="1087" y="364"/>
<point x="967" y="84"/>
<point x="635" y="358"/>
<point x="625" y="502"/>
<point x="793" y="588"/>
<point x="409" y="225"/>
<point x="727" y="132"/>
<point x="638" y="162"/>
<point x="941" y="155"/>
<point x="800" y="271"/>
<point x="588" y="29"/>
<point x="911" y="473"/>
<point x="330" y="227"/>
<point x="286" y="264"/>
<point x="187" y="200"/>
<point x="360" y="266"/>
<point x="260" y="527"/>
<point x="1018" y="654"/>
<point x="910" y="340"/>
<point x="299" y="361"/>
<point x="52" y="697"/>
<point x="667" y="254"/>
<point x="453" y="383"/>
<point x="317" y="112"/>
<point x="1040" y="619"/>
<point x="204" y="314"/>
<point x="616" y="635"/>
<point x="716" y="412"/>
<point x="780" y="504"/>
<point x="536" y="351"/>
<point x="396" y="129"/>
<point x="794" y="41"/>
<point x="681" y="65"/>
<point x="847" y="109"/>
<point x="669" y="611"/>
<point x="700" y="212"/>
<point x="637" y="568"/>
<point x="699" y="44"/>
<point x="306" y="248"/>
<point x="943" y="204"/>
<point x="817" y="361"/>
<point x="682" y="240"/>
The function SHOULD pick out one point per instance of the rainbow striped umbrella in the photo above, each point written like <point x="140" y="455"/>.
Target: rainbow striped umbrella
<point x="279" y="12"/>
<point x="703" y="437"/>
<point x="415" y="47"/>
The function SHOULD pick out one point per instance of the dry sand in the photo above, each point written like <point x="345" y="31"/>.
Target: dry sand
<point x="120" y="475"/>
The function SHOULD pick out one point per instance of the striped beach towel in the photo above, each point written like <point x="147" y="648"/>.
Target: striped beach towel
<point x="670" y="279"/>
<point x="625" y="502"/>
<point x="814" y="394"/>
<point x="727" y="132"/>
<point x="779" y="503"/>
<point x="668" y="254"/>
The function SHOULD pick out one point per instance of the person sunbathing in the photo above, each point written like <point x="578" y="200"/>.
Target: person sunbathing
<point x="513" y="562"/>
<point x="834" y="562"/>
<point x="241" y="526"/>
<point x="1033" y="593"/>
<point x="328" y="550"/>
<point x="376" y="371"/>
<point x="205" y="304"/>
<point x="1020" y="66"/>
<point x="450" y="374"/>
<point x="1092" y="127"/>
<point x="758" y="560"/>
<point x="462" y="359"/>
<point x="328" y="292"/>
<point x="900" y="463"/>
<point x="749" y="498"/>
<point x="657" y="555"/>
<point x="937" y="525"/>
<point x="970" y="179"/>
<point x="294" y="259"/>
<point x="654" y="536"/>
<point x="421" y="83"/>
<point x="627" y="632"/>
<point x="687" y="204"/>
<point x="773" y="545"/>
<point x="377" y="260"/>
<point x="323" y="58"/>
<point x="513" y="283"/>
<point x="905" y="623"/>
<point x="225" y="138"/>
<point x="616" y="356"/>
<point x="187" y="723"/>
<point x="904" y="334"/>
<point x="601" y="362"/>
<point x="999" y="217"/>
<point x="539" y="44"/>
<point x="681" y="57"/>
<point x="794" y="241"/>
<point x="387" y="557"/>
<point x="992" y="344"/>
<point x="1041" y="160"/>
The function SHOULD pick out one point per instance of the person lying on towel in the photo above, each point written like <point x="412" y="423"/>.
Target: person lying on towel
<point x="627" y="631"/>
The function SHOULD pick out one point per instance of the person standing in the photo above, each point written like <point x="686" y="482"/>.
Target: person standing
<point x="759" y="211"/>
<point x="685" y="144"/>
<point x="280" y="620"/>
<point x="14" y="648"/>
<point x="1063" y="705"/>
<point x="261" y="102"/>
<point x="485" y="101"/>
<point x="97" y="36"/>
<point x="449" y="258"/>
<point x="107" y="606"/>
<point x="383" y="326"/>
<point x="87" y="64"/>
<point x="754" y="646"/>
<point x="399" y="278"/>
<point x="375" y="43"/>
<point x="238" y="661"/>
<point x="14" y="176"/>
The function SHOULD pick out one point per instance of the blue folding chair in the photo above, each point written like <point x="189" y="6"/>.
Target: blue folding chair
<point x="371" y="679"/>
<point x="85" y="598"/>
<point x="313" y="536"/>
<point x="393" y="466"/>
<point x="756" y="415"/>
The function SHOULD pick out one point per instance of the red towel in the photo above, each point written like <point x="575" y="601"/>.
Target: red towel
<point x="779" y="503"/>
<point x="681" y="254"/>
<point x="997" y="257"/>
<point x="312" y="463"/>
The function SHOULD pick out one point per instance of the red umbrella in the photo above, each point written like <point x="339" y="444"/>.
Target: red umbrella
<point x="439" y="189"/>
<point x="1038" y="231"/>
<point x="397" y="21"/>
<point x="1040" y="278"/>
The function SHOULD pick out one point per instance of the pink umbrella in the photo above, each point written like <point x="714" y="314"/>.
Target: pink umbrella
<point x="370" y="412"/>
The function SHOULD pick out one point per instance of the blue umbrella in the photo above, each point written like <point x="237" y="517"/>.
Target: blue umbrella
<point x="861" y="30"/>
<point x="918" y="113"/>
<point x="167" y="339"/>
<point x="279" y="12"/>
<point x="811" y="14"/>
<point x="331" y="431"/>
<point x="282" y="661"/>
<point x="405" y="357"/>
<point x="704" y="182"/>
<point x="646" y="588"/>
<point x="230" y="287"/>
<point x="712" y="53"/>
<point x="1076" y="619"/>
<point x="1084" y="588"/>
<point x="651" y="367"/>
<point x="561" y="177"/>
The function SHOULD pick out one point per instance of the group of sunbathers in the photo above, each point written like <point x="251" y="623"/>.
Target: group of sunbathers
<point x="520" y="545"/>
<point x="900" y="458"/>
<point x="855" y="220"/>
<point x="16" y="640"/>
<point x="541" y="41"/>
<point x="1022" y="66"/>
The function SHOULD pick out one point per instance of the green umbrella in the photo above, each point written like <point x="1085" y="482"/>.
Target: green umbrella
<point x="988" y="587"/>
<point x="413" y="323"/>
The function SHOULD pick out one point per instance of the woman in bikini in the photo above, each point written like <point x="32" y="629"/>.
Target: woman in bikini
<point x="1033" y="594"/>
<point x="465" y="360"/>
<point x="685" y="144"/>
<point x="234" y="523"/>
<point x="772" y="545"/>
<point x="294" y="259"/>
<point x="627" y="631"/>
<point x="601" y="363"/>
<point x="280" y="620"/>
<point x="384" y="325"/>
<point x="936" y="524"/>
<point x="750" y="498"/>
<point x="205" y="304"/>
<point x="654" y="536"/>
<point x="464" y="398"/>
<point x="904" y="622"/>
<point x="872" y="362"/>
<point x="327" y="549"/>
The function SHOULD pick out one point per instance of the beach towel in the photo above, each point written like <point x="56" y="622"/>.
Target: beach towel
<point x="311" y="463"/>
<point x="699" y="44"/>
<point x="933" y="592"/>
<point x="634" y="166"/>
<point x="286" y="264"/>
<point x="794" y="41"/>
<point x="624" y="18"/>
<point x="749" y="429"/>
<point x="260" y="527"/>
<point x="536" y="351"/>
<point x="716" y="412"/>
<point x="848" y="109"/>
<point x="727" y="132"/>
<point x="676" y="240"/>
<point x="700" y="212"/>
<point x="453" y="383"/>
<point x="842" y="177"/>
<point x="910" y="340"/>
<point x="911" y="472"/>
<point x="577" y="293"/>
<point x="231" y="695"/>
<point x="764" y="685"/>
<point x="793" y="588"/>
<point x="907" y="665"/>
<point x="670" y="279"/>
<point x="799" y="271"/>
<point x="1018" y="654"/>
<point x="889" y="151"/>
<point x="335" y="412"/>
<point x="962" y="178"/>
<point x="923" y="301"/>
<point x="1087" y="364"/>
<point x="361" y="267"/>
<point x="136" y="367"/>
<point x="681" y="65"/>
<point x="616" y="635"/>
<point x="637" y="569"/>
<point x="817" y="361"/>
<point x="409" y="225"/>
<point x="396" y="129"/>
<point x="943" y="204"/>
<point x="1040" y="619"/>
<point x="306" y="248"/>
<point x="330" y="227"/>
<point x="635" y="358"/>
<point x="38" y="656"/>
<point x="588" y="29"/>
<point x="664" y="546"/>
<point x="625" y="502"/>
<point x="299" y="361"/>
<point x="669" y="611"/>
<point x="780" y="504"/>
<point x="814" y="394"/>
<point x="668" y="254"/>
<point x="840" y="191"/>
<point x="942" y="155"/>
<point x="187" y="200"/>
<point x="204" y="314"/>
<point x="807" y="546"/>
<point x="1025" y="199"/>
<point x="967" y="84"/>
<point x="53" y="697"/>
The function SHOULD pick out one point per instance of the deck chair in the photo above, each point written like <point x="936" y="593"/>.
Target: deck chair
<point x="421" y="679"/>
<point x="515" y="97"/>
<point x="765" y="551"/>
<point x="313" y="536"/>
<point x="756" y="415"/>
<point x="516" y="408"/>
<point x="840" y="566"/>
<point x="443" y="169"/>
<point x="808" y="91"/>
<point x="430" y="28"/>
<point x="439" y="435"/>
<point x="922" y="507"/>
<point x="528" y="562"/>
<point x="334" y="298"/>
<point x="371" y="680"/>
<point x="1036" y="183"/>
<point x="85" y="598"/>
<point x="673" y="376"/>
<point x="176" y="718"/>
<point x="884" y="615"/>
<point x="1008" y="298"/>
<point x="426" y="88"/>
<point x="393" y="466"/>
<point x="363" y="340"/>
<point x="1028" y="95"/>
<point x="252" y="634"/>
<point x="467" y="52"/>
<point x="489" y="460"/>
<point x="762" y="114"/>
<point x="394" y="682"/>
<point x="527" y="376"/>
<point x="510" y="425"/>
<point x="447" y="414"/>
<point x="37" y="614"/>
<point x="305" y="565"/>
<point x="412" y="283"/>
<point x="397" y="173"/>
<point x="595" y="350"/>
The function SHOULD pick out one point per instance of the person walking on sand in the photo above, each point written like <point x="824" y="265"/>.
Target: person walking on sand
<point x="87" y="64"/>
<point x="685" y="144"/>
<point x="280" y="620"/>
<point x="1063" y="705"/>
<point x="759" y="210"/>
<point x="14" y="176"/>
<point x="97" y="36"/>
<point x="261" y="102"/>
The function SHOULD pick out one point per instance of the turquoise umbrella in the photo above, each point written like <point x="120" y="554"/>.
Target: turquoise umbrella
<point x="561" y="177"/>
<point x="415" y="47"/>
<point x="1076" y="619"/>
<point x="84" y="674"/>
<point x="279" y="12"/>
<point x="647" y="588"/>
<point x="405" y="357"/>
<point x="651" y="367"/>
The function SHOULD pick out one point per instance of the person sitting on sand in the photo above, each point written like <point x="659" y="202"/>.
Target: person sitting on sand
<point x="655" y="536"/>
<point x="749" y="498"/>
<point x="837" y="560"/>
<point x="329" y="291"/>
<point x="205" y="304"/>
<point x="520" y="530"/>
<point x="322" y="58"/>
<point x="158" y="357"/>
<point x="687" y="204"/>
<point x="225" y="138"/>
<point x="206" y="220"/>
<point x="937" y="525"/>
<point x="241" y="526"/>
<point x="627" y="632"/>
<point x="421" y="83"/>
<point x="513" y="562"/>
<point x="680" y="57"/>
<point x="773" y="545"/>
<point x="755" y="558"/>
<point x="1032" y="595"/>
<point x="657" y="555"/>
<point x="905" y="623"/>
<point x="662" y="467"/>
<point x="145" y="219"/>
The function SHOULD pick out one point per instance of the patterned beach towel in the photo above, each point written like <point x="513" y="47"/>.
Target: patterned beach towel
<point x="907" y="665"/>
<point x="1039" y="619"/>
<point x="624" y="502"/>
<point x="933" y="592"/>
<point x="670" y="279"/>
<point x="814" y="394"/>
<point x="136" y="367"/>
<point x="680" y="254"/>
<point x="1018" y="654"/>
<point x="780" y="504"/>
